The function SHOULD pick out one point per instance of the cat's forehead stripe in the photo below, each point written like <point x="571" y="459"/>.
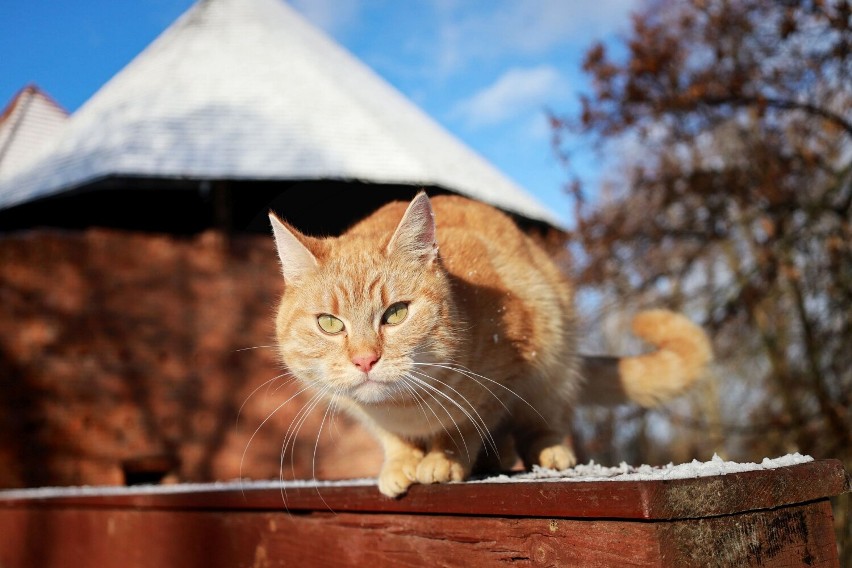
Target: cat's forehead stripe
<point x="335" y="302"/>
<point x="383" y="295"/>
<point x="371" y="288"/>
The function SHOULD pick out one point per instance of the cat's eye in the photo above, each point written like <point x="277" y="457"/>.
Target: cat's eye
<point x="395" y="314"/>
<point x="329" y="324"/>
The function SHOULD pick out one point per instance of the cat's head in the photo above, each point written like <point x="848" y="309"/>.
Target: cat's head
<point x="359" y="311"/>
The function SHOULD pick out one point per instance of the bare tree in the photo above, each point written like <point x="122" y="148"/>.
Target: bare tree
<point x="728" y="131"/>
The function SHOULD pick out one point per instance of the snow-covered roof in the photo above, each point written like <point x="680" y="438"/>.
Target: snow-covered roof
<point x="30" y="121"/>
<point x="249" y="90"/>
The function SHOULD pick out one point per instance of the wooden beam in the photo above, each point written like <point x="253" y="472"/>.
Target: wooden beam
<point x="643" y="500"/>
<point x="128" y="538"/>
<point x="778" y="517"/>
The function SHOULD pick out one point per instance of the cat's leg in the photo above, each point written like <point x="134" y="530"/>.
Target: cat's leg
<point x="541" y="438"/>
<point x="501" y="460"/>
<point x="399" y="469"/>
<point x="545" y="448"/>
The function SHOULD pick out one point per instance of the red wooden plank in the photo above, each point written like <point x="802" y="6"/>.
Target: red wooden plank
<point x="650" y="500"/>
<point x="127" y="538"/>
<point x="781" y="538"/>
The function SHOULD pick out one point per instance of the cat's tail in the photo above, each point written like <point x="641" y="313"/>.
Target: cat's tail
<point x="683" y="352"/>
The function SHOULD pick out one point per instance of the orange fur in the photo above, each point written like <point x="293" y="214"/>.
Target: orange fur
<point x="683" y="352"/>
<point x="485" y="357"/>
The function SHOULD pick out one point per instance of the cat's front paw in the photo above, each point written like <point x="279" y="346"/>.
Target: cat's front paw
<point x="399" y="473"/>
<point x="440" y="467"/>
<point x="557" y="457"/>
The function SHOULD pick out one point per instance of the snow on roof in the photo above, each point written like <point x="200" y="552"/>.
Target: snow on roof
<point x="579" y="473"/>
<point x="30" y="121"/>
<point x="248" y="89"/>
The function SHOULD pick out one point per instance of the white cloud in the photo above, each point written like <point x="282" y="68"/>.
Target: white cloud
<point x="529" y="27"/>
<point x="331" y="15"/>
<point x="515" y="92"/>
<point x="535" y="26"/>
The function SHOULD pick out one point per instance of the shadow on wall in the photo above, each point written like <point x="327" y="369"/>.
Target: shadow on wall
<point x="127" y="357"/>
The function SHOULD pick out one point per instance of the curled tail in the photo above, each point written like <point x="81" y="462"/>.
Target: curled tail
<point x="683" y="351"/>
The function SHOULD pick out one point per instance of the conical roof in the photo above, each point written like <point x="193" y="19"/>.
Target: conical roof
<point x="248" y="90"/>
<point x="30" y="120"/>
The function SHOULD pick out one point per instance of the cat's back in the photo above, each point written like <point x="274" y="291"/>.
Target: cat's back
<point x="454" y="216"/>
<point x="478" y="244"/>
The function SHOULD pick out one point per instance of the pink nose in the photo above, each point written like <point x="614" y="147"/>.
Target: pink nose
<point x="365" y="361"/>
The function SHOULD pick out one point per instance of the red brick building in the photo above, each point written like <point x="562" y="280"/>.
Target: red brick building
<point x="137" y="282"/>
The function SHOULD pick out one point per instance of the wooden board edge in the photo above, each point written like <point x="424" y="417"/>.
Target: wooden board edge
<point x="642" y="500"/>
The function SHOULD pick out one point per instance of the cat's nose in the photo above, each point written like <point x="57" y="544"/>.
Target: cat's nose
<point x="365" y="361"/>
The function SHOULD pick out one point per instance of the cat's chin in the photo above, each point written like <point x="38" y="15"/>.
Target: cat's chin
<point x="370" y="391"/>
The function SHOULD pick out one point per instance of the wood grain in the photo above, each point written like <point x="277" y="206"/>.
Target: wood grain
<point x="71" y="538"/>
<point x="134" y="539"/>
<point x="801" y="535"/>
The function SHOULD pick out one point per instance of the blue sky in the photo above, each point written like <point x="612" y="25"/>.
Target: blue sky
<point x="486" y="70"/>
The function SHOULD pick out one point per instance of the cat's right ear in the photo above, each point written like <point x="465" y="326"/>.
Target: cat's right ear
<point x="296" y="259"/>
<point x="415" y="235"/>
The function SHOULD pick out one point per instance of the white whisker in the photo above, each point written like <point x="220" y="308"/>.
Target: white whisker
<point x="316" y="446"/>
<point x="464" y="398"/>
<point x="269" y="382"/>
<point x="480" y="426"/>
<point x="294" y="428"/>
<point x="256" y="347"/>
<point x="422" y="402"/>
<point x="296" y="423"/>
<point x="292" y="431"/>
<point x="265" y="420"/>
<point x="282" y="385"/>
<point x="473" y="376"/>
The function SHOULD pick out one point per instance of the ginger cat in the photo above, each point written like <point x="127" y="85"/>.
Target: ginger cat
<point x="452" y="356"/>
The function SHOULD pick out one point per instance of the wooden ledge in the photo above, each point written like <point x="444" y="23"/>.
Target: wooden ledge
<point x="639" y="500"/>
<point x="778" y="517"/>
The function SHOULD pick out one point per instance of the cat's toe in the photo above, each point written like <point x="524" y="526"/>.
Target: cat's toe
<point x="394" y="483"/>
<point x="437" y="467"/>
<point x="556" y="457"/>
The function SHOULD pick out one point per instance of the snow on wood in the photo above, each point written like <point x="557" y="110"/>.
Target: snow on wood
<point x="579" y="473"/>
<point x="625" y="472"/>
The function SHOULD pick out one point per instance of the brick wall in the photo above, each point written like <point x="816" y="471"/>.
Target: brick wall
<point x="123" y="354"/>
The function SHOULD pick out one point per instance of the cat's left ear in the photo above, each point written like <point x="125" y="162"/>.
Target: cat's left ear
<point x="296" y="259"/>
<point x="415" y="234"/>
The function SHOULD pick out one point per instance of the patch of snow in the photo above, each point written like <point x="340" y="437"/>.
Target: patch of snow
<point x="578" y="473"/>
<point x="235" y="485"/>
<point x="625" y="472"/>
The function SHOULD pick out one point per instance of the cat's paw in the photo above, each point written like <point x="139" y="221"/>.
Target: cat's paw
<point x="439" y="467"/>
<point x="393" y="482"/>
<point x="399" y="473"/>
<point x="556" y="457"/>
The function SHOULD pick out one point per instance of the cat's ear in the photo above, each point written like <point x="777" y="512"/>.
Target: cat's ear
<point x="415" y="234"/>
<point x="296" y="259"/>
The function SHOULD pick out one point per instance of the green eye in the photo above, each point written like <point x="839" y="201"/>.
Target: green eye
<point x="395" y="314"/>
<point x="329" y="324"/>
